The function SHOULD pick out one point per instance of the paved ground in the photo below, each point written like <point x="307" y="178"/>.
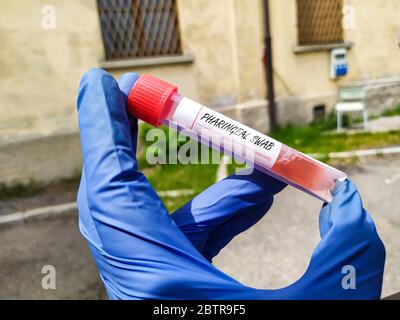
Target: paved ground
<point x="56" y="193"/>
<point x="384" y="124"/>
<point x="26" y="248"/>
<point x="274" y="253"/>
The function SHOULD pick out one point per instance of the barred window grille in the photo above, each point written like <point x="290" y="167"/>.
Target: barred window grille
<point x="139" y="28"/>
<point x="319" y="21"/>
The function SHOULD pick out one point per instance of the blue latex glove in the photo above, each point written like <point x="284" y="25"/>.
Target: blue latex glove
<point x="142" y="252"/>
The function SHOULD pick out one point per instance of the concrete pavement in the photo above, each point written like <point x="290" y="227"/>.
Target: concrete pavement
<point x="26" y="248"/>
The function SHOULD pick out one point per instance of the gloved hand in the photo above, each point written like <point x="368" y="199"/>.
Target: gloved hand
<point x="143" y="252"/>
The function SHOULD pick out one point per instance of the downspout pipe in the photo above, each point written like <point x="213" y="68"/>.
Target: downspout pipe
<point x="269" y="74"/>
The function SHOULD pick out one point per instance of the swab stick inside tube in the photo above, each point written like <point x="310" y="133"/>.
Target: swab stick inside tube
<point x="158" y="102"/>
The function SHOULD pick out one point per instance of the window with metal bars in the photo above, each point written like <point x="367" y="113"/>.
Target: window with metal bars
<point x="139" y="28"/>
<point x="319" y="21"/>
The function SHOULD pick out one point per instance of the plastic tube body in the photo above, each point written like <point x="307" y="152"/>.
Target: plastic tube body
<point x="265" y="153"/>
<point x="156" y="101"/>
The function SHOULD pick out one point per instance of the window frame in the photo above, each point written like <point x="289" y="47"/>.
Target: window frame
<point x="317" y="44"/>
<point x="142" y="51"/>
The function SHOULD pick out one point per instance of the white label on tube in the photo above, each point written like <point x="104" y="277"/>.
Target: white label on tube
<point x="229" y="134"/>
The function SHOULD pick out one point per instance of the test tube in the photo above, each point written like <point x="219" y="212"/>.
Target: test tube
<point x="158" y="102"/>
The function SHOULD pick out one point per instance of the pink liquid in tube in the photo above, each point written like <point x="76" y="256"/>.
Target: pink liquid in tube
<point x="158" y="102"/>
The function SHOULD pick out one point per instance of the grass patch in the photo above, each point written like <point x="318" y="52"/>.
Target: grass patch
<point x="235" y="167"/>
<point x="392" y="112"/>
<point x="19" y="190"/>
<point x="310" y="139"/>
<point x="33" y="188"/>
<point x="178" y="176"/>
<point x="173" y="176"/>
<point x="329" y="122"/>
<point x="73" y="179"/>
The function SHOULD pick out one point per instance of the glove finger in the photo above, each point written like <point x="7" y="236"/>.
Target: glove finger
<point x="86" y="223"/>
<point x="122" y="202"/>
<point x="345" y="221"/>
<point x="345" y="210"/>
<point x="349" y="260"/>
<point x="214" y="217"/>
<point x="349" y="242"/>
<point x="125" y="83"/>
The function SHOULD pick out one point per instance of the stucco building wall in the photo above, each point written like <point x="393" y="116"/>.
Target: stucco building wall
<point x="40" y="69"/>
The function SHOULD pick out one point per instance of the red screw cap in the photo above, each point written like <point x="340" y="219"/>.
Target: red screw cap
<point x="150" y="99"/>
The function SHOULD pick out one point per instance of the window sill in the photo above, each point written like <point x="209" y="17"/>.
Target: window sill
<point x="321" y="47"/>
<point x="145" y="62"/>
